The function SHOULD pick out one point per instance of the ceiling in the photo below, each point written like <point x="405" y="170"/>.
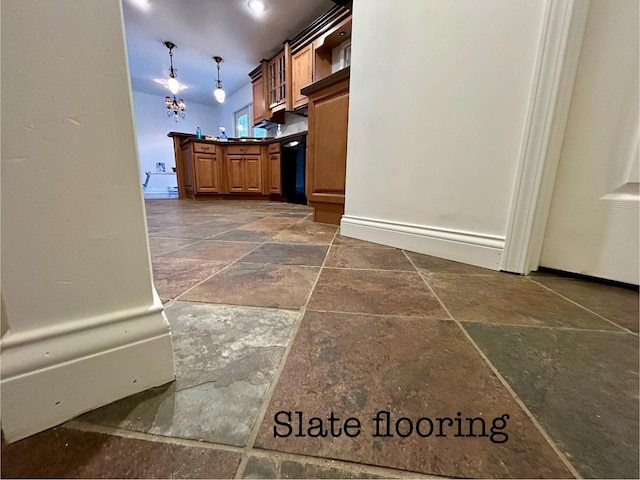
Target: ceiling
<point x="204" y="28"/>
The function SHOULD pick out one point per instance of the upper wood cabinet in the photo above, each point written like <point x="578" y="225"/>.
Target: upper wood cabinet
<point x="309" y="57"/>
<point x="302" y="75"/>
<point x="277" y="81"/>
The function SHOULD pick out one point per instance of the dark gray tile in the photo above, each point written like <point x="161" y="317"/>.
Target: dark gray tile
<point x="510" y="299"/>
<point x="618" y="304"/>
<point x="214" y="251"/>
<point x="582" y="387"/>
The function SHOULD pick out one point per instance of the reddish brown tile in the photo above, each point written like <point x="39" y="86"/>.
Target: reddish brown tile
<point x="368" y="258"/>
<point x="307" y="231"/>
<point x="288" y="254"/>
<point x="357" y="365"/>
<point x="173" y="276"/>
<point x="65" y="453"/>
<point x="377" y="292"/>
<point x="428" y="264"/>
<point x="258" y="285"/>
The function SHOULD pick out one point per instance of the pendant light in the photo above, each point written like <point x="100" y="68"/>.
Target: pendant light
<point x="219" y="93"/>
<point x="174" y="107"/>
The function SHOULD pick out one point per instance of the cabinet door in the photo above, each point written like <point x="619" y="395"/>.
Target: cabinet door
<point x="252" y="173"/>
<point x="302" y="66"/>
<point x="274" y="173"/>
<point x="272" y="83"/>
<point x="206" y="173"/>
<point x="235" y="170"/>
<point x="257" y="88"/>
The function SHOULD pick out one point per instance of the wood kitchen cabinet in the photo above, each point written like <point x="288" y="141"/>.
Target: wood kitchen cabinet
<point x="244" y="169"/>
<point x="257" y="89"/>
<point x="277" y="81"/>
<point x="327" y="146"/>
<point x="275" y="172"/>
<point x="302" y="75"/>
<point x="206" y="170"/>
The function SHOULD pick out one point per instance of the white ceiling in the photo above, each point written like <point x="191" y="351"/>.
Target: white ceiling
<point x="204" y="28"/>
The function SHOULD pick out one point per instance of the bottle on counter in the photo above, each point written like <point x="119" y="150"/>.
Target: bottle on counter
<point x="223" y="133"/>
<point x="198" y="133"/>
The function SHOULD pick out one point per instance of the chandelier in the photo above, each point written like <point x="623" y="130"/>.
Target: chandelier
<point x="175" y="107"/>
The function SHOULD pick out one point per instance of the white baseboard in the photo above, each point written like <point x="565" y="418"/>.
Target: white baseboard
<point x="467" y="247"/>
<point x="52" y="375"/>
<point x="152" y="193"/>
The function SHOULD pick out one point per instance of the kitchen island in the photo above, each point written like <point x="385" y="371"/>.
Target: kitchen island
<point x="234" y="168"/>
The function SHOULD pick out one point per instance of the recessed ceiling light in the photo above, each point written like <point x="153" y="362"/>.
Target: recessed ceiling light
<point x="257" y="6"/>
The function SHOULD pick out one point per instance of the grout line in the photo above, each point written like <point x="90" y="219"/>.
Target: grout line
<point x="582" y="306"/>
<point x="150" y="437"/>
<point x="504" y="382"/>
<point x="351" y="467"/>
<point x="248" y="449"/>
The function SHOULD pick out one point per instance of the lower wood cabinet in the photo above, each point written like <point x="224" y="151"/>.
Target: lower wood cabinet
<point x="208" y="168"/>
<point x="207" y="173"/>
<point x="275" y="171"/>
<point x="244" y="173"/>
<point x="327" y="146"/>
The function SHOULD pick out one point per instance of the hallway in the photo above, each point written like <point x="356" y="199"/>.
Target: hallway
<point x="446" y="369"/>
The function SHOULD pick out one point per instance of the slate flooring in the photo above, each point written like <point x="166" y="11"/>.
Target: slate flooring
<point x="301" y="353"/>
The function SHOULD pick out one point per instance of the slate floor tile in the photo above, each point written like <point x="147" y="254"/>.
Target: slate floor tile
<point x="243" y="235"/>
<point x="67" y="453"/>
<point x="510" y="299"/>
<point x="307" y="231"/>
<point x="618" y="304"/>
<point x="428" y="265"/>
<point x="273" y="467"/>
<point x="377" y="292"/>
<point x="173" y="276"/>
<point x="225" y="359"/>
<point x="582" y="386"/>
<point x="358" y="365"/>
<point x="260" y="285"/>
<point x="214" y="251"/>
<point x="354" y="242"/>
<point x="368" y="258"/>
<point x="288" y="254"/>
<point x="161" y="246"/>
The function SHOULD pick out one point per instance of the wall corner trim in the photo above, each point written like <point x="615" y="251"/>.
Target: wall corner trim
<point x="554" y="76"/>
<point x="52" y="375"/>
<point x="474" y="248"/>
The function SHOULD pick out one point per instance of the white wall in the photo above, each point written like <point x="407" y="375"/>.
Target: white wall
<point x="434" y="140"/>
<point x="152" y="125"/>
<point x="593" y="224"/>
<point x="85" y="326"/>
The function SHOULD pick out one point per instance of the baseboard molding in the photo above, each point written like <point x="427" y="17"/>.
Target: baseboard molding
<point x="151" y="193"/>
<point x="467" y="247"/>
<point x="52" y="375"/>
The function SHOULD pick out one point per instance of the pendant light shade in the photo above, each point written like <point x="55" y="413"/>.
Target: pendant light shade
<point x="219" y="94"/>
<point x="173" y="85"/>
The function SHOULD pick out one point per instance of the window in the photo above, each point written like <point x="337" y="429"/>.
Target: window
<point x="243" y="127"/>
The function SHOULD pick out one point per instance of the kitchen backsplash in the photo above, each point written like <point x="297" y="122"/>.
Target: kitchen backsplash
<point x="293" y="124"/>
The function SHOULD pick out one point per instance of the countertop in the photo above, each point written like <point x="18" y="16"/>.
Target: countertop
<point x="190" y="137"/>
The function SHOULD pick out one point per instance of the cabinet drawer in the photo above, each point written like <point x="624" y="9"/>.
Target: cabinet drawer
<point x="274" y="148"/>
<point x="204" y="148"/>
<point x="243" y="149"/>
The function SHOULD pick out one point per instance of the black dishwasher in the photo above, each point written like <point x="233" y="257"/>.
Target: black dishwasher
<point x="293" y="160"/>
